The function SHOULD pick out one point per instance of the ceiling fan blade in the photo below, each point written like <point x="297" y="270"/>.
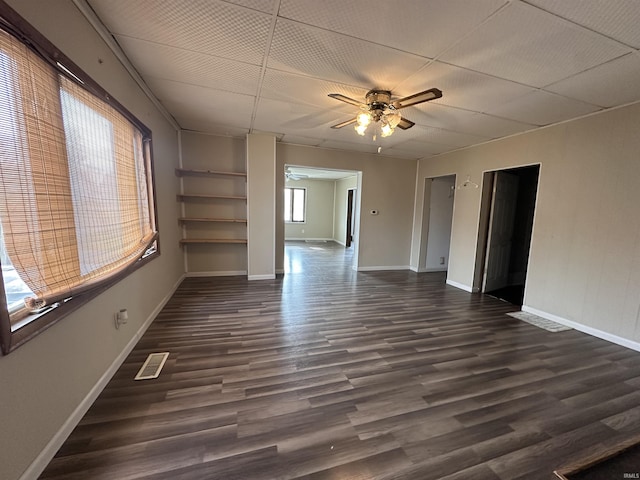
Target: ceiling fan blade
<point x="405" y="124"/>
<point x="417" y="98"/>
<point x="344" y="124"/>
<point x="343" y="98"/>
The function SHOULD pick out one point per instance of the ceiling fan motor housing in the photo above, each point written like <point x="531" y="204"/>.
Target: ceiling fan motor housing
<point x="378" y="101"/>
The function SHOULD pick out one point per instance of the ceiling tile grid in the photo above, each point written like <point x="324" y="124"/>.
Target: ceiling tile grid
<point x="618" y="19"/>
<point x="311" y="51"/>
<point x="207" y="26"/>
<point x="607" y="85"/>
<point x="530" y="46"/>
<point x="463" y="88"/>
<point x="543" y="108"/>
<point x="230" y="67"/>
<point x="422" y="27"/>
<point x="194" y="68"/>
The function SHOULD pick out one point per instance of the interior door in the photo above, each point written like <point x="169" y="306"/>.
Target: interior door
<point x="350" y="217"/>
<point x="501" y="221"/>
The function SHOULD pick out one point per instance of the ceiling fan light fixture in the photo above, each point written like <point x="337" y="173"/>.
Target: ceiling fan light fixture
<point x="361" y="129"/>
<point x="386" y="130"/>
<point x="392" y="117"/>
<point x="363" y="119"/>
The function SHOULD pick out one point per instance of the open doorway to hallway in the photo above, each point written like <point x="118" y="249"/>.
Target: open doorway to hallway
<point x="321" y="211"/>
<point x="505" y="232"/>
<point x="439" y="193"/>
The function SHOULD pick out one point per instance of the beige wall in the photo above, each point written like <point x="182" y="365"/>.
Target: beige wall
<point x="340" y="215"/>
<point x="261" y="205"/>
<point x="387" y="186"/>
<point x="44" y="381"/>
<point x="584" y="264"/>
<point x="318" y="223"/>
<point x="226" y="154"/>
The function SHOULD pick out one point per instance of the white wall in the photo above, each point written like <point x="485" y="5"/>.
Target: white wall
<point x="584" y="264"/>
<point x="318" y="224"/>
<point x="44" y="381"/>
<point x="387" y="186"/>
<point x="440" y="216"/>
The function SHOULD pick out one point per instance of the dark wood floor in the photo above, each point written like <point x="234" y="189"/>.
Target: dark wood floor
<point x="331" y="374"/>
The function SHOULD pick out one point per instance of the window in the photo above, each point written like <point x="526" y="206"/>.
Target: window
<point x="76" y="191"/>
<point x="294" y="205"/>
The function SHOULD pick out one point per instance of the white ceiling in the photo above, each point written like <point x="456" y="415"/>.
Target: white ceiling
<point x="504" y="66"/>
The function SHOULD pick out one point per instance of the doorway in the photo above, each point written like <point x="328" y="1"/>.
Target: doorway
<point x="437" y="219"/>
<point x="351" y="218"/>
<point x="504" y="236"/>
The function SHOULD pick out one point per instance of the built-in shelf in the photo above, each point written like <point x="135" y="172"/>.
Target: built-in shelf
<point x="212" y="220"/>
<point x="194" y="196"/>
<point x="185" y="172"/>
<point x="208" y="208"/>
<point x="186" y="241"/>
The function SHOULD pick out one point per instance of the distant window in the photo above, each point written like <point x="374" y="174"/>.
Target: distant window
<point x="294" y="205"/>
<point x="76" y="195"/>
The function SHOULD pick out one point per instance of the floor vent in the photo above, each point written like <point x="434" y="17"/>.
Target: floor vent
<point x="152" y="366"/>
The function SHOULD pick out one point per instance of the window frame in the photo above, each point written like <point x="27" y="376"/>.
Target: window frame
<point x="35" y="323"/>
<point x="304" y="205"/>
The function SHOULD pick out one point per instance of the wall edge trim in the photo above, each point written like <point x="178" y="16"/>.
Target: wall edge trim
<point x="625" y="342"/>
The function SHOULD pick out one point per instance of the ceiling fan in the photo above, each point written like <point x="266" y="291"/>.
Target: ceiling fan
<point x="379" y="107"/>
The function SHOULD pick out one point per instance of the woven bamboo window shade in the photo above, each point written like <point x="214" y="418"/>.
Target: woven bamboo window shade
<point x="74" y="173"/>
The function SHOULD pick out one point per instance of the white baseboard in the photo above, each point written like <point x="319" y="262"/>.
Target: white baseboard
<point x="230" y="273"/>
<point x="461" y="286"/>
<point x="46" y="455"/>
<point x="383" y="268"/>
<point x="435" y="269"/>
<point x="279" y="271"/>
<point x="268" y="276"/>
<point x="339" y="242"/>
<point x="584" y="328"/>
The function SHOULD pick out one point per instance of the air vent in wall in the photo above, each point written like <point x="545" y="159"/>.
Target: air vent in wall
<point x="152" y="366"/>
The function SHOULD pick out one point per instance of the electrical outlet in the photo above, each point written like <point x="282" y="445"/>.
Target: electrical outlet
<point x="441" y="260"/>
<point x="121" y="317"/>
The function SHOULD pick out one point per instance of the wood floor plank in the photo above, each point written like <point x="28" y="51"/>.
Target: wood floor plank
<point x="330" y="373"/>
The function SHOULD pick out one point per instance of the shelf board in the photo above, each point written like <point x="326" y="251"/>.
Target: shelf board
<point x="186" y="172"/>
<point x="186" y="241"/>
<point x="187" y="196"/>
<point x="212" y="220"/>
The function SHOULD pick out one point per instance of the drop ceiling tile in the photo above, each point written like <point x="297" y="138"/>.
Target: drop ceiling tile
<point x="530" y="46"/>
<point x="437" y="136"/>
<point x="300" y="140"/>
<point x="543" y="108"/>
<point x="265" y="6"/>
<point x="170" y="63"/>
<point x="201" y="126"/>
<point x="422" y="148"/>
<point x="397" y="153"/>
<point x="422" y="27"/>
<point x="199" y="25"/>
<point x="305" y="120"/>
<point x="358" y="147"/>
<point x="289" y="87"/>
<point x="314" y="52"/>
<point x="203" y="104"/>
<point x="489" y="126"/>
<point x="461" y="88"/>
<point x="607" y="85"/>
<point x="617" y="19"/>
